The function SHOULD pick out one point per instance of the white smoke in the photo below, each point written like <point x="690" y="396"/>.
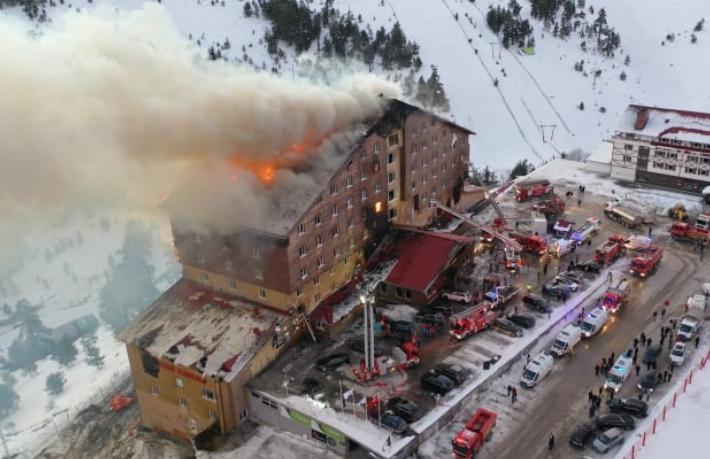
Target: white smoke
<point x="108" y="108"/>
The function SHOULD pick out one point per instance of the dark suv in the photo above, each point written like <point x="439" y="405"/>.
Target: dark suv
<point x="436" y="383"/>
<point x="332" y="362"/>
<point x="622" y="421"/>
<point x="631" y="406"/>
<point x="403" y="408"/>
<point x="582" y="435"/>
<point x="536" y="303"/>
<point x="392" y="422"/>
<point x="456" y="373"/>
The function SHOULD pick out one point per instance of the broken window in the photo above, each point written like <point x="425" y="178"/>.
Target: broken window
<point x="150" y="364"/>
<point x="208" y="394"/>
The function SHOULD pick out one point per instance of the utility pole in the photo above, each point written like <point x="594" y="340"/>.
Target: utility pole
<point x="542" y="129"/>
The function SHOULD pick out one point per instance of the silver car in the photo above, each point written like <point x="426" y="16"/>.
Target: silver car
<point x="607" y="440"/>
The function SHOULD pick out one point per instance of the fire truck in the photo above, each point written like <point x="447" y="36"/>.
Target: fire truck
<point x="616" y="297"/>
<point x="646" y="261"/>
<point x="684" y="232"/>
<point x="608" y="252"/>
<point x="550" y="207"/>
<point x="478" y="430"/>
<point x="403" y="357"/>
<point x="531" y="242"/>
<point x="532" y="189"/>
<point x="472" y="320"/>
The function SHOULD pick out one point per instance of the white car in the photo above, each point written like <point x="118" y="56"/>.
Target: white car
<point x="688" y="328"/>
<point x="677" y="355"/>
<point x="463" y="297"/>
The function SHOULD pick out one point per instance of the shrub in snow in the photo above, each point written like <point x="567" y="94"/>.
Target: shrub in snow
<point x="622" y="76"/>
<point x="581" y="106"/>
<point x="602" y="109"/>
<point x="55" y="383"/>
<point x="699" y="26"/>
<point x="627" y="60"/>
<point x="693" y="38"/>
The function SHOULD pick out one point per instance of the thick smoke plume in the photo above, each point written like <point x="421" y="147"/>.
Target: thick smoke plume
<point x="116" y="108"/>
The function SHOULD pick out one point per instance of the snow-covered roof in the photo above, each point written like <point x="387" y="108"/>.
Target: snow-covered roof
<point x="602" y="154"/>
<point x="194" y="327"/>
<point x="667" y="123"/>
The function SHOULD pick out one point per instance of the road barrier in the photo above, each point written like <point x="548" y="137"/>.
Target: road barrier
<point x="634" y="449"/>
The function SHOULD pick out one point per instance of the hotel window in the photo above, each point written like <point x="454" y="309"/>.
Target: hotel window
<point x="334" y="188"/>
<point x="301" y="228"/>
<point x="336" y="252"/>
<point x="336" y="231"/>
<point x="657" y="165"/>
<point x="350" y="223"/>
<point x="670" y="167"/>
<point x="316" y="219"/>
<point x="255" y="252"/>
<point x="352" y="242"/>
<point x="210" y="414"/>
<point x="390" y="158"/>
<point x="350" y="202"/>
<point x="704" y="172"/>
<point x="183" y="402"/>
<point x="363" y="153"/>
<point x="393" y="140"/>
<point x="350" y="181"/>
<point x="691" y="170"/>
<point x="304" y="273"/>
<point x="363" y="175"/>
<point x="302" y="251"/>
<point x="378" y="188"/>
<point x="321" y="262"/>
<point x="363" y="194"/>
<point x="208" y="394"/>
<point x="332" y="271"/>
<point x="393" y="213"/>
<point x="672" y="155"/>
<point x="627" y="158"/>
<point x="154" y="390"/>
<point x="390" y="177"/>
<point x="316" y="281"/>
<point x="316" y="297"/>
<point x="200" y="258"/>
<point x="334" y="210"/>
<point x="299" y="291"/>
<point x="390" y="195"/>
<point x="228" y="265"/>
<point x="378" y="207"/>
<point x="262" y="293"/>
<point x="628" y="146"/>
<point x="232" y="284"/>
<point x="319" y="240"/>
<point x="376" y="147"/>
<point x="691" y="159"/>
<point x="258" y="273"/>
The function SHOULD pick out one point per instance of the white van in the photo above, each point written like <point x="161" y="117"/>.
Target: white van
<point x="618" y="373"/>
<point x="594" y="322"/>
<point x="566" y="340"/>
<point x="697" y="305"/>
<point x="536" y="370"/>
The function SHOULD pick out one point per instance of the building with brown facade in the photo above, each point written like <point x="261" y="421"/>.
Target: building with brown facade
<point x="244" y="297"/>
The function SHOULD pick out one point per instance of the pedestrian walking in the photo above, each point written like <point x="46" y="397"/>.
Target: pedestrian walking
<point x="636" y="353"/>
<point x="655" y="314"/>
<point x="663" y="313"/>
<point x="589" y="243"/>
<point x="596" y="370"/>
<point x="527" y="358"/>
<point x="544" y="269"/>
<point x="510" y="389"/>
<point x="636" y="343"/>
<point x="649" y="342"/>
<point x="650" y="230"/>
<point x="601" y="390"/>
<point x="551" y="442"/>
<point x="591" y="410"/>
<point x="643" y="338"/>
<point x="670" y="374"/>
<point x="590" y="395"/>
<point x="697" y="342"/>
<point x="515" y="395"/>
<point x="663" y="338"/>
<point x="611" y="359"/>
<point x="638" y="370"/>
<point x="610" y="276"/>
<point x="389" y="440"/>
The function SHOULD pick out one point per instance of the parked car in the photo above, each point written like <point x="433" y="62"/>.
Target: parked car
<point x="462" y="297"/>
<point x="429" y="318"/>
<point x="650" y="381"/>
<point x="677" y="354"/>
<point x="651" y="354"/>
<point x="403" y="408"/>
<point x="590" y="266"/>
<point x="622" y="421"/>
<point x="522" y="320"/>
<point x="536" y="303"/>
<point x="456" y="373"/>
<point x="568" y="281"/>
<point x="332" y="362"/>
<point x="436" y="383"/>
<point x="689" y="326"/>
<point x="392" y="422"/>
<point x="312" y="387"/>
<point x="632" y="406"/>
<point x="557" y="290"/>
<point x="444" y="309"/>
<point x="607" y="440"/>
<point x="508" y="327"/>
<point x="582" y="435"/>
<point x="578" y="278"/>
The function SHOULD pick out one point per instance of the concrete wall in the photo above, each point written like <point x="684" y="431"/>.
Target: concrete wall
<point x="603" y="169"/>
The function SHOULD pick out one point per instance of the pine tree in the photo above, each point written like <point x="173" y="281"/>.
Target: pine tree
<point x="8" y="400"/>
<point x="699" y="26"/>
<point x="93" y="354"/>
<point x="581" y="106"/>
<point x="64" y="352"/>
<point x="520" y="169"/>
<point x="627" y="60"/>
<point x="247" y="10"/>
<point x="55" y="383"/>
<point x="622" y="76"/>
<point x="436" y="89"/>
<point x="423" y="96"/>
<point x="600" y="24"/>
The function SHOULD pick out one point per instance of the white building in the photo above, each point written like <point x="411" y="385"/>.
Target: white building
<point x="663" y="147"/>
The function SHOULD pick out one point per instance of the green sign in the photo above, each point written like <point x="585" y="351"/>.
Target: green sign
<point x="300" y="418"/>
<point x="332" y="433"/>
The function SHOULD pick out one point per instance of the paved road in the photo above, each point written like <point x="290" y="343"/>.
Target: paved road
<point x="560" y="409"/>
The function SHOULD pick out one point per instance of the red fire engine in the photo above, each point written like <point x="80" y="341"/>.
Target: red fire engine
<point x="608" y="252"/>
<point x="616" y="297"/>
<point x="685" y="232"/>
<point x="647" y="261"/>
<point x="472" y="320"/>
<point x="531" y="242"/>
<point x="530" y="189"/>
<point x="479" y="429"/>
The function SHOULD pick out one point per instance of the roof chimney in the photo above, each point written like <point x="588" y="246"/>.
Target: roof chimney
<point x="641" y="119"/>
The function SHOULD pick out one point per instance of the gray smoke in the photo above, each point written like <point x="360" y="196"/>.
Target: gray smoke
<point x="109" y="108"/>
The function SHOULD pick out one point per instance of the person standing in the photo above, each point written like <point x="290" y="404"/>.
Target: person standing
<point x="515" y="395"/>
<point x="596" y="370"/>
<point x="638" y="370"/>
<point x="551" y="442"/>
<point x="510" y="389"/>
<point x="697" y="342"/>
<point x="590" y="396"/>
<point x="643" y="339"/>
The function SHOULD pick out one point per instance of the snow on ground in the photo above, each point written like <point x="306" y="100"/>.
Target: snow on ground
<point x="568" y="175"/>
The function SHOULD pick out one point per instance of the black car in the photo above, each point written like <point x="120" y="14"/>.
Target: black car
<point x="576" y="277"/>
<point x="429" y="318"/>
<point x="557" y="290"/>
<point x="631" y="406"/>
<point x="403" y="408"/>
<point x="392" y="422"/>
<point x="622" y="421"/>
<point x="522" y="320"/>
<point x="312" y="387"/>
<point x="332" y="362"/>
<point x="507" y="327"/>
<point x="436" y="383"/>
<point x="456" y="373"/>
<point x="650" y="381"/>
<point x="651" y="354"/>
<point x="590" y="266"/>
<point x="444" y="309"/>
<point x="536" y="303"/>
<point x="583" y="434"/>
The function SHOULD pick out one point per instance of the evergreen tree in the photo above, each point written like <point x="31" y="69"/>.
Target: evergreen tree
<point x="93" y="354"/>
<point x="627" y="60"/>
<point x="436" y="89"/>
<point x="55" y="383"/>
<point x="8" y="400"/>
<point x="699" y="26"/>
<point x="521" y="168"/>
<point x="622" y="76"/>
<point x="247" y="10"/>
<point x="64" y="352"/>
<point x="600" y="25"/>
<point x="422" y="96"/>
<point x="581" y="106"/>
